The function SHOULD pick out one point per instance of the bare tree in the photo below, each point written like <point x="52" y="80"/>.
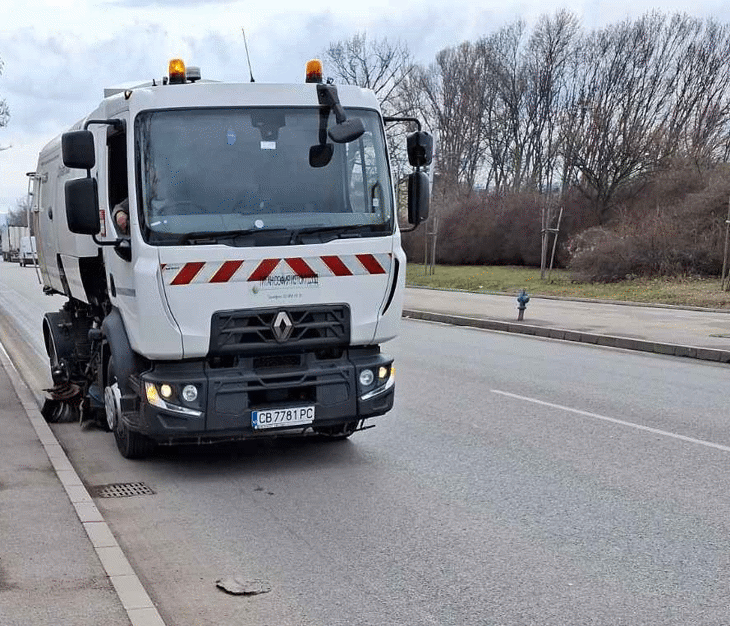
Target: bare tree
<point x="700" y="115"/>
<point x="375" y="64"/>
<point x="454" y="92"/>
<point x="514" y="109"/>
<point x="384" y="67"/>
<point x="619" y="118"/>
<point x="19" y="215"/>
<point x="526" y="111"/>
<point x="525" y="95"/>
<point x="4" y="110"/>
<point x="550" y="50"/>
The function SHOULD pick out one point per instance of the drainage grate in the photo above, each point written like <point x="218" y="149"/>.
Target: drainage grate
<point x="121" y="490"/>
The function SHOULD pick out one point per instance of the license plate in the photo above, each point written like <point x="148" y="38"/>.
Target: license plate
<point x="281" y="418"/>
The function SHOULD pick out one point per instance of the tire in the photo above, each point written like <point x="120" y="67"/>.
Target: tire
<point x="131" y="444"/>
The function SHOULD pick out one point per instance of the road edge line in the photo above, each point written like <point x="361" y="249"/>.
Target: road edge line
<point x="129" y="589"/>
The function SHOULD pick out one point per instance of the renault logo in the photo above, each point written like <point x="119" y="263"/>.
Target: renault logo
<point x="282" y="326"/>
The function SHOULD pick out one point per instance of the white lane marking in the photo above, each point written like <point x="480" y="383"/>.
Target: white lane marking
<point x="134" y="599"/>
<point x="613" y="420"/>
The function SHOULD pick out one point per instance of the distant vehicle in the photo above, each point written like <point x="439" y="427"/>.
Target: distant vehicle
<point x="12" y="236"/>
<point x="27" y="251"/>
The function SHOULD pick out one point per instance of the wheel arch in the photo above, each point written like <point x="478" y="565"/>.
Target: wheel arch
<point x="117" y="348"/>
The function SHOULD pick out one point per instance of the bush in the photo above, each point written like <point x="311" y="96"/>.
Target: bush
<point x="671" y="223"/>
<point x="490" y="229"/>
<point x="674" y="226"/>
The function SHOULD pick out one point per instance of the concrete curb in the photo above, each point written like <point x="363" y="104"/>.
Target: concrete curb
<point x="627" y="343"/>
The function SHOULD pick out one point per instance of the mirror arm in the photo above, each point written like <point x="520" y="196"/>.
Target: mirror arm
<point x="122" y="246"/>
<point x="327" y="95"/>
<point x="391" y="120"/>
<point x="117" y="124"/>
<point x="116" y="243"/>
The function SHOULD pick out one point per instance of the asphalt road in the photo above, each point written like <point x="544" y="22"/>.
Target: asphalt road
<point x="517" y="481"/>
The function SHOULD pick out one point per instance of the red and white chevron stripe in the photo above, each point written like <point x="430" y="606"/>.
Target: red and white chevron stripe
<point x="197" y="272"/>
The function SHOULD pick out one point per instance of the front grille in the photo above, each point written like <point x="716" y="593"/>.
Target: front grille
<point x="252" y="331"/>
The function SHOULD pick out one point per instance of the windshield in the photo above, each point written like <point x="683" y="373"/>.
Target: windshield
<point x="222" y="173"/>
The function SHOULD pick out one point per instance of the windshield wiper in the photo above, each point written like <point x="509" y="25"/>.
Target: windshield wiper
<point x="326" y="233"/>
<point x="215" y="235"/>
<point x="333" y="232"/>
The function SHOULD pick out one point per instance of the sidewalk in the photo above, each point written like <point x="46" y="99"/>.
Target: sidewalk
<point x="700" y="334"/>
<point x="59" y="563"/>
<point x="49" y="573"/>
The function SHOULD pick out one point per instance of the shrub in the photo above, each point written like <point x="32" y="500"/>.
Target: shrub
<point x="674" y="226"/>
<point x="670" y="223"/>
<point x="490" y="229"/>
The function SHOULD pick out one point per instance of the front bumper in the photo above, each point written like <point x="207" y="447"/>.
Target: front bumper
<point x="226" y="396"/>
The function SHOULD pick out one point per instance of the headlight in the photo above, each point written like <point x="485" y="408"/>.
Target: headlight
<point x="386" y="380"/>
<point x="156" y="396"/>
<point x="152" y="396"/>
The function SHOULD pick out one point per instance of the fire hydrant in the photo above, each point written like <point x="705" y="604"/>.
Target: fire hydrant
<point x="522" y="301"/>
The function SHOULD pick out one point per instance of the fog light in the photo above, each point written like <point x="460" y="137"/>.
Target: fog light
<point x="366" y="378"/>
<point x="165" y="390"/>
<point x="190" y="393"/>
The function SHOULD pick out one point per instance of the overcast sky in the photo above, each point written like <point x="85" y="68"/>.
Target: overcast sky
<point x="59" y="55"/>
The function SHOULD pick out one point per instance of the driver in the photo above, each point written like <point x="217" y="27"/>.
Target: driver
<point x="120" y="216"/>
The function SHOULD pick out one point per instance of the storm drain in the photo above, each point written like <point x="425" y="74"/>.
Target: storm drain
<point x="121" y="490"/>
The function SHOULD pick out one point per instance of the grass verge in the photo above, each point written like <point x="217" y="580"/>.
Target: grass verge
<point x="700" y="292"/>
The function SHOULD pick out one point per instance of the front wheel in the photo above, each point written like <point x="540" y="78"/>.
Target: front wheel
<point x="131" y="444"/>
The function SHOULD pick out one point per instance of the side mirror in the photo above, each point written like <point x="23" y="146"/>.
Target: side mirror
<point x="344" y="131"/>
<point x="418" y="198"/>
<point x="420" y="148"/>
<point x="82" y="206"/>
<point x="347" y="131"/>
<point x="321" y="154"/>
<point x="77" y="148"/>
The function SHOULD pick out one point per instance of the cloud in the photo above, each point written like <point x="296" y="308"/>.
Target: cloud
<point x="157" y="4"/>
<point x="57" y="62"/>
